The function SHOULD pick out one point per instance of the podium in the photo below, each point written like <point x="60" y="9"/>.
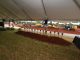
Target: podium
<point x="76" y="41"/>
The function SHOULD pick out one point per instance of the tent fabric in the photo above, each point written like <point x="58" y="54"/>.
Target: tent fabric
<point x="34" y="9"/>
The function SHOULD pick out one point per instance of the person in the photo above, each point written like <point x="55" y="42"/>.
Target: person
<point x="58" y="34"/>
<point x="62" y="34"/>
<point x="50" y="33"/>
<point x="40" y="31"/>
<point x="54" y="33"/>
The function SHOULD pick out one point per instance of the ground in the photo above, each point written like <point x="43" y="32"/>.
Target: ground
<point x="17" y="47"/>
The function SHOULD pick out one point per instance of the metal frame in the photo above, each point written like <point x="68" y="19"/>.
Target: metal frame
<point x="78" y="5"/>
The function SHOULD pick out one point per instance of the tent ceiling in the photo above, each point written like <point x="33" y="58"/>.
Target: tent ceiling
<point x="37" y="9"/>
<point x="78" y="1"/>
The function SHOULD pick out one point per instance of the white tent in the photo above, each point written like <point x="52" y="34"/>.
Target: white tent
<point x="37" y="9"/>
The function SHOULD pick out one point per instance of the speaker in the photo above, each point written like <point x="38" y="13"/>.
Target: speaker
<point x="45" y="22"/>
<point x="76" y="41"/>
<point x="1" y="24"/>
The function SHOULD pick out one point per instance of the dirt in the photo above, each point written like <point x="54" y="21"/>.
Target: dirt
<point x="44" y="38"/>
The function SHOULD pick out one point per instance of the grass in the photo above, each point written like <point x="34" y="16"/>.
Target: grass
<point x="17" y="47"/>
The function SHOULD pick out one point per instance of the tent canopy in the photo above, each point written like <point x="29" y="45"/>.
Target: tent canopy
<point x="38" y="9"/>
